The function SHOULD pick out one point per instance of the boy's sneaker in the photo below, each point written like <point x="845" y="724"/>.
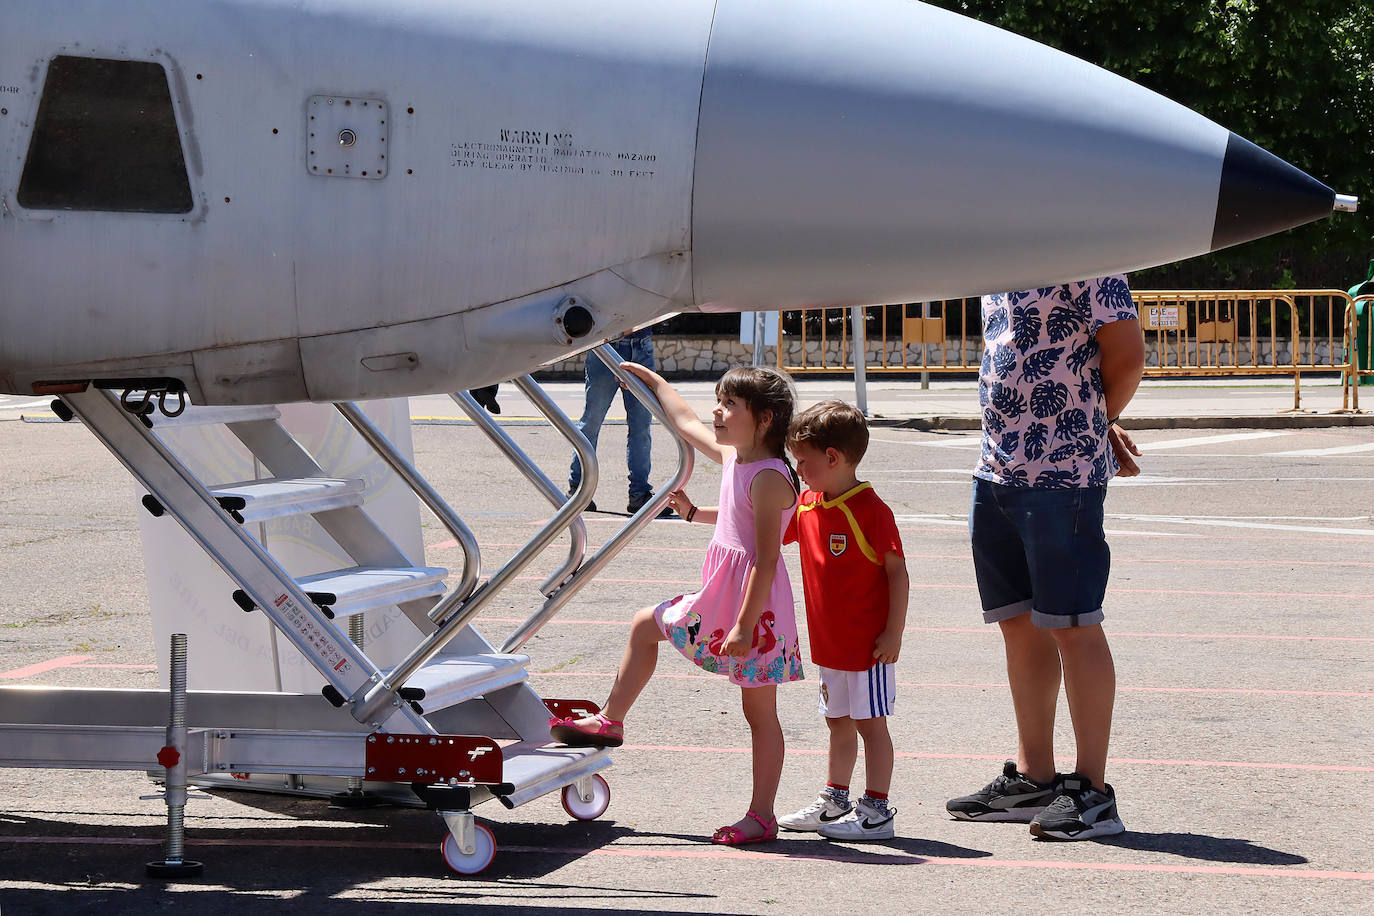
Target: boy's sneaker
<point x="1079" y="813"/>
<point x="861" y="824"/>
<point x="1010" y="797"/>
<point x="820" y="813"/>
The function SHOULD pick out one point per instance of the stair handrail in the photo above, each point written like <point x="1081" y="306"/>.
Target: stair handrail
<point x="453" y="613"/>
<point x="577" y="530"/>
<point x="467" y="541"/>
<point x="631" y="528"/>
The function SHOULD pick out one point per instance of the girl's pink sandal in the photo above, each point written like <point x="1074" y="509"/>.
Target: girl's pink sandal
<point x="733" y="836"/>
<point x="568" y="732"/>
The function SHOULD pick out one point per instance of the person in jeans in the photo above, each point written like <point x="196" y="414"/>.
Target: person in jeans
<point x="1060" y="365"/>
<point x="635" y="347"/>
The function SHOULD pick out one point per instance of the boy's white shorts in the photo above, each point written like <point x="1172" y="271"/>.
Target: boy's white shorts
<point x="858" y="694"/>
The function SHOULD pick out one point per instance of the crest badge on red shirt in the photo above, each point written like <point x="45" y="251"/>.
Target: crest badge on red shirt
<point x="838" y="543"/>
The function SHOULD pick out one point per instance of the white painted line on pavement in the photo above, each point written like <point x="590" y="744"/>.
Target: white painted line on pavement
<point x="961" y="521"/>
<point x="1144" y="478"/>
<point x="968" y="443"/>
<point x="1323" y="452"/>
<point x="1211" y="440"/>
<point x="1148" y="480"/>
<point x="1227" y="523"/>
<point x="1270" y="518"/>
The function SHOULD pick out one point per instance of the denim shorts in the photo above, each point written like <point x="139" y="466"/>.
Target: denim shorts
<point x="1041" y="551"/>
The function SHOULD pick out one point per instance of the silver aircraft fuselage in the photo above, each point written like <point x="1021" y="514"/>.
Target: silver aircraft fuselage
<point x="384" y="199"/>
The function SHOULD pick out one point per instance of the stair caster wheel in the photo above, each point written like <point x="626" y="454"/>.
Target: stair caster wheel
<point x="484" y="842"/>
<point x="597" y="798"/>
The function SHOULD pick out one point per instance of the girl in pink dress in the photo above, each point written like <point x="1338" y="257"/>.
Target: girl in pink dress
<point x="741" y="623"/>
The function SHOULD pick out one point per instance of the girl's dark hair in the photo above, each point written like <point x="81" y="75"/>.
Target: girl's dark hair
<point x="763" y="388"/>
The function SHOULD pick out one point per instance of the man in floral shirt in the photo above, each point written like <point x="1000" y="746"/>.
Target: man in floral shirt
<point x="1060" y="365"/>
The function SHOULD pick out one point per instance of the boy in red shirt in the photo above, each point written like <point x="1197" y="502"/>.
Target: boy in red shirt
<point x="855" y="581"/>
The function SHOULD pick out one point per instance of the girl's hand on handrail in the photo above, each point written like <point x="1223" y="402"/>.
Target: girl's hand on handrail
<point x="649" y="377"/>
<point x="683" y="419"/>
<point x="681" y="502"/>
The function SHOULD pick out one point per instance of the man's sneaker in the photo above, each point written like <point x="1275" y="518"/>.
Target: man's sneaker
<point x="637" y="502"/>
<point x="824" y="810"/>
<point x="1079" y="813"/>
<point x="862" y="824"/>
<point x="1009" y="797"/>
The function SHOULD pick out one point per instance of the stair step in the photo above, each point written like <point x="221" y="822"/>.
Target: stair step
<point x="451" y="680"/>
<point x="278" y="497"/>
<point x="536" y="767"/>
<point x="363" y="588"/>
<point x="205" y="416"/>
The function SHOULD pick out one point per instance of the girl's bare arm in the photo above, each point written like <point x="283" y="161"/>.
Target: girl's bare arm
<point x="683" y="418"/>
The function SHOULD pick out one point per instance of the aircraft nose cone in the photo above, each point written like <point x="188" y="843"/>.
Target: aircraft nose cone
<point x="889" y="151"/>
<point x="1261" y="194"/>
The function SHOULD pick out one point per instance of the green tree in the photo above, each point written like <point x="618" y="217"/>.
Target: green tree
<point x="1296" y="77"/>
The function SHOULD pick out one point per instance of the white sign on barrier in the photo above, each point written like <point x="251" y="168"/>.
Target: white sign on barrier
<point x="1163" y="317"/>
<point x="770" y="329"/>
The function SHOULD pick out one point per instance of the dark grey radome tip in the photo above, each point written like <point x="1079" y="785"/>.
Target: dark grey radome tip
<point x="1261" y="194"/>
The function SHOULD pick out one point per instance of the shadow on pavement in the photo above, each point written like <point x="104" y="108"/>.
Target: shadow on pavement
<point x="899" y="851"/>
<point x="1208" y="848"/>
<point x="216" y="901"/>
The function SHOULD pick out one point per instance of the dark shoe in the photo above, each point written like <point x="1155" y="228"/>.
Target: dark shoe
<point x="637" y="502"/>
<point x="486" y="397"/>
<point x="1080" y="812"/>
<point x="1010" y="797"/>
<point x="591" y="506"/>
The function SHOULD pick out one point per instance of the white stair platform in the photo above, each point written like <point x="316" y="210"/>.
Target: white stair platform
<point x="536" y="768"/>
<point x="448" y="681"/>
<point x="362" y="588"/>
<point x="278" y="497"/>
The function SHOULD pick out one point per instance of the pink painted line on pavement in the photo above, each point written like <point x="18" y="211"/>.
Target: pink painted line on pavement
<point x="1172" y="561"/>
<point x="591" y="548"/>
<point x="121" y="667"/>
<point x="992" y="631"/>
<point x="913" y="755"/>
<point x="1116" y="590"/>
<point x="962" y="532"/>
<point x="928" y="685"/>
<point x="837" y="854"/>
<point x="696" y="582"/>
<point x="65" y="661"/>
<point x="1111" y="590"/>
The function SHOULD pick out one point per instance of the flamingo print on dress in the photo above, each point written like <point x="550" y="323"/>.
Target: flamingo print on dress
<point x="714" y="644"/>
<point x="764" y="640"/>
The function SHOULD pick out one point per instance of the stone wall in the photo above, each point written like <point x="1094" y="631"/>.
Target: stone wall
<point x="704" y="357"/>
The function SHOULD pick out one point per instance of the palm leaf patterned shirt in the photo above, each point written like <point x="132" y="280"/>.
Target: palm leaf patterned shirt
<point x="1040" y="385"/>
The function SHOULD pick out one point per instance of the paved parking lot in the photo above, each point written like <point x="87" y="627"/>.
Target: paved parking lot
<point x="1240" y="614"/>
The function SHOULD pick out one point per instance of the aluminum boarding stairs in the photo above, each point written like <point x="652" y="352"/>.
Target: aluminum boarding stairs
<point x="454" y="682"/>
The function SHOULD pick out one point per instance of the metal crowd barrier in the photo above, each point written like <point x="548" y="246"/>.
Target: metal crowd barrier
<point x="1361" y="352"/>
<point x="1188" y="333"/>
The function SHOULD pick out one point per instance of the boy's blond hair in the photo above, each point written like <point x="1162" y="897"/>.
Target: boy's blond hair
<point x="832" y="424"/>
